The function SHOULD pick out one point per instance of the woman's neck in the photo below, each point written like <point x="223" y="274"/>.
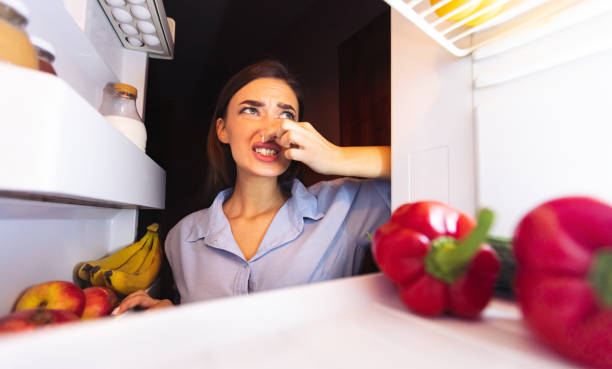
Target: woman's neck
<point x="253" y="197"/>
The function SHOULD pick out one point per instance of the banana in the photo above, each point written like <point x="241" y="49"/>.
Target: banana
<point x="126" y="283"/>
<point x="116" y="259"/>
<point x="130" y="266"/>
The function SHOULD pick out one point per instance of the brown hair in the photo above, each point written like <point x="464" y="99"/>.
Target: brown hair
<point x="222" y="168"/>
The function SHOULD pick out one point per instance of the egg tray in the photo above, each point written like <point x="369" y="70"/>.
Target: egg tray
<point x="141" y="25"/>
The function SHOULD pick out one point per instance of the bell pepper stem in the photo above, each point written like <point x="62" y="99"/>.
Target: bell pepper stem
<point x="448" y="258"/>
<point x="600" y="275"/>
<point x="471" y="244"/>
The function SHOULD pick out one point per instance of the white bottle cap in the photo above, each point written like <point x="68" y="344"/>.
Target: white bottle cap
<point x="18" y="6"/>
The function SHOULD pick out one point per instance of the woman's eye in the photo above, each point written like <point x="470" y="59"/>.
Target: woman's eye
<point x="249" y="110"/>
<point x="287" y="115"/>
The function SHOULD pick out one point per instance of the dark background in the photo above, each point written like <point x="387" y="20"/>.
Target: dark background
<point x="338" y="49"/>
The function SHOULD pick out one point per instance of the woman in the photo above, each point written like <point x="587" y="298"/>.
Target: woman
<point x="265" y="229"/>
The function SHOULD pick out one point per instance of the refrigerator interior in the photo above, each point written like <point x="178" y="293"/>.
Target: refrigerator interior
<point x="483" y="130"/>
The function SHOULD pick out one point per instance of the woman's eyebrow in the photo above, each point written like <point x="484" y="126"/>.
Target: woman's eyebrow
<point x="252" y="103"/>
<point x="285" y="106"/>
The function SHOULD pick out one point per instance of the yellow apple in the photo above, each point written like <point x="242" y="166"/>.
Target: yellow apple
<point x="61" y="295"/>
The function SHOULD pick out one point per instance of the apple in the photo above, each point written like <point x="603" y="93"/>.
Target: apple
<point x="61" y="295"/>
<point x="29" y="319"/>
<point x="99" y="301"/>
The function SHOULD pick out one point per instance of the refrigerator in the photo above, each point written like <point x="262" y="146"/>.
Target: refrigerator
<point x="505" y="118"/>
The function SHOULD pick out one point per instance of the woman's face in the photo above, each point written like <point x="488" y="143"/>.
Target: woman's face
<point x="257" y="110"/>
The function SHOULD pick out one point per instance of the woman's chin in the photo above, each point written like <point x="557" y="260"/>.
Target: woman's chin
<point x="270" y="172"/>
<point x="269" y="169"/>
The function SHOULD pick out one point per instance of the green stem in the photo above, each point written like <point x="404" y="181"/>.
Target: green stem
<point x="448" y="258"/>
<point x="600" y="275"/>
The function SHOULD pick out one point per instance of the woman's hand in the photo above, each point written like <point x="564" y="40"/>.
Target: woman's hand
<point x="303" y="143"/>
<point x="140" y="299"/>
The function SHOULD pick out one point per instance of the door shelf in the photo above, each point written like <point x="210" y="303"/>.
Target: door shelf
<point x="54" y="144"/>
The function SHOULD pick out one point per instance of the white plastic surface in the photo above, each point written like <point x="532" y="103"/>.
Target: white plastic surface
<point x="431" y="121"/>
<point x="54" y="143"/>
<point x="546" y="133"/>
<point x="350" y="323"/>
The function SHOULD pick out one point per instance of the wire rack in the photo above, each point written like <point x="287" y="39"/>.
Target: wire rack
<point x="462" y="26"/>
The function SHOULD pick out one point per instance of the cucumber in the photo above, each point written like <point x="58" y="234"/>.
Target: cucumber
<point x="505" y="280"/>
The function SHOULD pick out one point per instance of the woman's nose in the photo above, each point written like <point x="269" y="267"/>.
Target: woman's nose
<point x="272" y="129"/>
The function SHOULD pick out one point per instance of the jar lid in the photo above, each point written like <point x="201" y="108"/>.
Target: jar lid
<point x="17" y="6"/>
<point x="42" y="44"/>
<point x="124" y="87"/>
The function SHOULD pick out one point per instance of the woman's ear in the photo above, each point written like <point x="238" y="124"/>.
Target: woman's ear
<point x="221" y="132"/>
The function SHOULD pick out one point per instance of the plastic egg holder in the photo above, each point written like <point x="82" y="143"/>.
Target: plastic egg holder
<point x="141" y="25"/>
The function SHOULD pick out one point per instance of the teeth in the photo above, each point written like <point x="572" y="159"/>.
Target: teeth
<point x="266" y="152"/>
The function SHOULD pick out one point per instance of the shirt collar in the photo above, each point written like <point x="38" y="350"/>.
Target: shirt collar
<point x="213" y="224"/>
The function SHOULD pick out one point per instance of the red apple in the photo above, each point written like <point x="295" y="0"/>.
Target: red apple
<point x="99" y="301"/>
<point x="29" y="319"/>
<point x="59" y="295"/>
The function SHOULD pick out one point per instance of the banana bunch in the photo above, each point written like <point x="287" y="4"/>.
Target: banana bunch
<point x="132" y="268"/>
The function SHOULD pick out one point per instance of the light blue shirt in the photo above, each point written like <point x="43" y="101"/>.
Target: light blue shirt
<point x="317" y="235"/>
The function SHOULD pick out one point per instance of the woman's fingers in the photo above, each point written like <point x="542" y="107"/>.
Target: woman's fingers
<point x="138" y="298"/>
<point x="292" y="133"/>
<point x="291" y="139"/>
<point x="295" y="154"/>
<point x="303" y="143"/>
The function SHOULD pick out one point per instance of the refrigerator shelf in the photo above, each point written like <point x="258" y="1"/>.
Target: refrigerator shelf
<point x="486" y="20"/>
<point x="354" y="322"/>
<point x="55" y="145"/>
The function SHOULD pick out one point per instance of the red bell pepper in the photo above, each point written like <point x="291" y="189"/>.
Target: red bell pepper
<point x="563" y="284"/>
<point x="436" y="256"/>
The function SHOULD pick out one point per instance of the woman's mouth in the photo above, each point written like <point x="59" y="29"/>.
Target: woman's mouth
<point x="266" y="151"/>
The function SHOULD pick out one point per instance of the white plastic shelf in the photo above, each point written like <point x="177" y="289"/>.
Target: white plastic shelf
<point x="54" y="143"/>
<point x="349" y="323"/>
<point x="461" y="39"/>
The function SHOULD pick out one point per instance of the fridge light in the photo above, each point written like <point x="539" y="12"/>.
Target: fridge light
<point x="491" y="21"/>
<point x="142" y="25"/>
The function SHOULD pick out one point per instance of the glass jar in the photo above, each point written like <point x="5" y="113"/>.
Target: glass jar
<point x="15" y="46"/>
<point x="119" y="108"/>
<point x="45" y="53"/>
